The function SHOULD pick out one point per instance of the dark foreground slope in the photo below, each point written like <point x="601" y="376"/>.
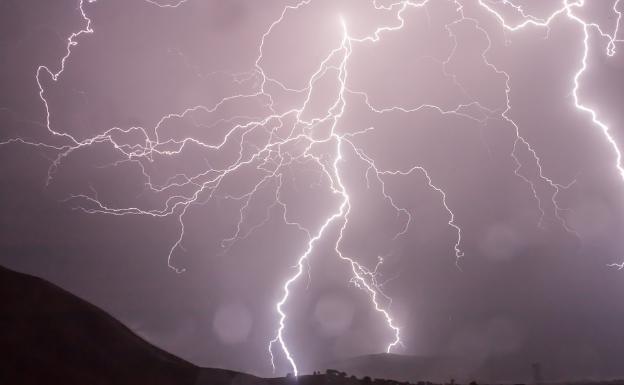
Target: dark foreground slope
<point x="49" y="336"/>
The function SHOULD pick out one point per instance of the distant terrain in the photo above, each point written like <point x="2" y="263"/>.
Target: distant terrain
<point x="501" y="368"/>
<point x="49" y="336"/>
<point x="505" y="369"/>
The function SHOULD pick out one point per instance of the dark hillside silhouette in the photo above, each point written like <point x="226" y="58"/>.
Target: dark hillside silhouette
<point x="51" y="337"/>
<point x="48" y="336"/>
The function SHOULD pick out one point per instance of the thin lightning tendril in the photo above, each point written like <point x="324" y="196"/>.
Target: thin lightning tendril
<point x="287" y="129"/>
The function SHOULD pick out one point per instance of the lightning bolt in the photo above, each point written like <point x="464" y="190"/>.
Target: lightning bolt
<point x="567" y="10"/>
<point x="291" y="139"/>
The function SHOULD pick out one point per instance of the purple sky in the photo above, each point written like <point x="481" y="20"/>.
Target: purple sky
<point x="226" y="140"/>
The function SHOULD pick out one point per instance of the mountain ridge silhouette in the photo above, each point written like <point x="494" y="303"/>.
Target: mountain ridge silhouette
<point x="50" y="336"/>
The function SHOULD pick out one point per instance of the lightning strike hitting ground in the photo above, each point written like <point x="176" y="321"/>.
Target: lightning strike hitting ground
<point x="276" y="155"/>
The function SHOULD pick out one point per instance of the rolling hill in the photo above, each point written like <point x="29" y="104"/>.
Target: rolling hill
<point x="49" y="336"/>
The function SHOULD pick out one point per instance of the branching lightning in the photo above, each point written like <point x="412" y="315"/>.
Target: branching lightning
<point x="288" y="129"/>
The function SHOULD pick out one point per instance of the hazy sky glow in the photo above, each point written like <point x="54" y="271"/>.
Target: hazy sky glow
<point x="271" y="186"/>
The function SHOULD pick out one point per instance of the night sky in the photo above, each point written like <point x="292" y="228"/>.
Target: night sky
<point x="194" y="152"/>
